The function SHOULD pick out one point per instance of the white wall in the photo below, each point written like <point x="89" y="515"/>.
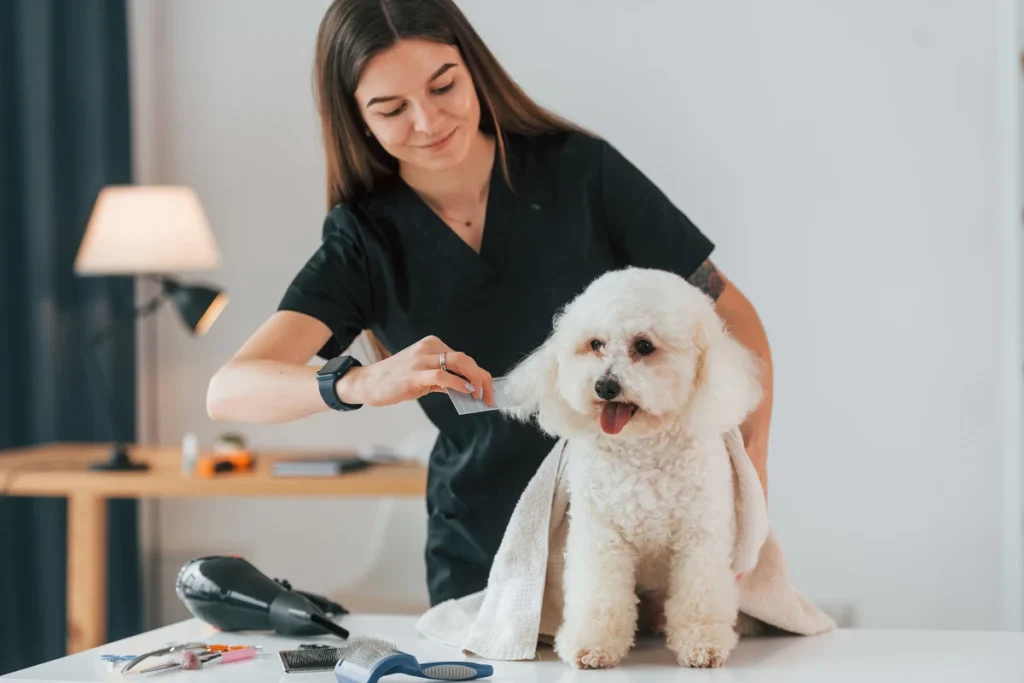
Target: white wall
<point x="1011" y="63"/>
<point x="850" y="161"/>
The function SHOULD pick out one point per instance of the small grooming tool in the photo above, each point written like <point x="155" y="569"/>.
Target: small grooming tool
<point x="232" y="655"/>
<point x="195" y="659"/>
<point x="117" y="658"/>
<point x="114" y="660"/>
<point x="367" y="660"/>
<point x="310" y="659"/>
<point x="180" y="647"/>
<point x="467" y="404"/>
<point x="190" y="661"/>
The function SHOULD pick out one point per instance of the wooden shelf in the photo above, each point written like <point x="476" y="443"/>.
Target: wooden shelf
<point x="61" y="469"/>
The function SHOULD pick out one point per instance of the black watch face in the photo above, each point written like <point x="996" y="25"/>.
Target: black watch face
<point x="332" y="366"/>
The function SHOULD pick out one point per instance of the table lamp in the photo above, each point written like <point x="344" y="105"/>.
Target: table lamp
<point x="150" y="231"/>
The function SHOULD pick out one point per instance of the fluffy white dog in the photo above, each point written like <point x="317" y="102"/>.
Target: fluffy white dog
<point x="641" y="377"/>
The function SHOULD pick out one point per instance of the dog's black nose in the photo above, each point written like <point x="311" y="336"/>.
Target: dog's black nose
<point x="607" y="388"/>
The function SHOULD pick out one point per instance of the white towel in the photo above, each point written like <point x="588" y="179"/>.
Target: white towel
<point x="522" y="603"/>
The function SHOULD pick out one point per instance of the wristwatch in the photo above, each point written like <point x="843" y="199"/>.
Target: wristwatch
<point x="328" y="376"/>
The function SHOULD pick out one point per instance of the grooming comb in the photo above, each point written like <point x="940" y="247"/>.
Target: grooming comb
<point x="467" y="404"/>
<point x="313" y="659"/>
<point x="368" y="659"/>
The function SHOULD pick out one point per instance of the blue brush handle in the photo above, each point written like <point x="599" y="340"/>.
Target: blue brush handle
<point x="403" y="663"/>
<point x="455" y="671"/>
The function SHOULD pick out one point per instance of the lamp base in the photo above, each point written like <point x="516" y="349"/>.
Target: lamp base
<point x="119" y="461"/>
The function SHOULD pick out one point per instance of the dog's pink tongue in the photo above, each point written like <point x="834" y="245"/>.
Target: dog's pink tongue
<point x="614" y="416"/>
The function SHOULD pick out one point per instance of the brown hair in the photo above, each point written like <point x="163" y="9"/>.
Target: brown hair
<point x="351" y="33"/>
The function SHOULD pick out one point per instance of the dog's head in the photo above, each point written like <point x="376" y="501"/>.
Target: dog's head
<point x="636" y="352"/>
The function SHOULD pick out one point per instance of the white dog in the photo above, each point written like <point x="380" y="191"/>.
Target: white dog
<point x="642" y="379"/>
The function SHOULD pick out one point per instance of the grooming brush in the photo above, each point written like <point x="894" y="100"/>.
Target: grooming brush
<point x="367" y="660"/>
<point x="312" y="659"/>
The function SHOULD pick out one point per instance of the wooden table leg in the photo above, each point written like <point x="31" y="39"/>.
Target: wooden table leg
<point x="86" y="572"/>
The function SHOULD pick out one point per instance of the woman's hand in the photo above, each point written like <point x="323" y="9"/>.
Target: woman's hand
<point x="414" y="372"/>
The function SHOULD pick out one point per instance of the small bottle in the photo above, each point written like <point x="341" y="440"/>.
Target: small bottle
<point x="189" y="454"/>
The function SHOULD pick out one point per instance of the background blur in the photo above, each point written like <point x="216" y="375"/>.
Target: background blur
<point x="858" y="165"/>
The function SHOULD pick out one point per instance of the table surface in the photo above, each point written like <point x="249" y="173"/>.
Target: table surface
<point x="877" y="656"/>
<point x="62" y="468"/>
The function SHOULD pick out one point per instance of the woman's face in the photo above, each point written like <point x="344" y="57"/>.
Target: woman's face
<point x="419" y="102"/>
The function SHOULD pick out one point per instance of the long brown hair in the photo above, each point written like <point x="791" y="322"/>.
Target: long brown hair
<point x="351" y="33"/>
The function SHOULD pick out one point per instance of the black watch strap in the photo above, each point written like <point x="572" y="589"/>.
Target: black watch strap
<point x="327" y="377"/>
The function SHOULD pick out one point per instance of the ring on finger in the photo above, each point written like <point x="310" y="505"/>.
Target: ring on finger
<point x="442" y="359"/>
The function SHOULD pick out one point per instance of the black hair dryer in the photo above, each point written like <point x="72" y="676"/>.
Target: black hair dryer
<point x="227" y="592"/>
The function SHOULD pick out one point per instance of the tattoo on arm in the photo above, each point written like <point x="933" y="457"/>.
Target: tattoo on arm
<point x="708" y="280"/>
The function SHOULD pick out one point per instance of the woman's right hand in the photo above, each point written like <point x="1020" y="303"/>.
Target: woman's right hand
<point x="414" y="372"/>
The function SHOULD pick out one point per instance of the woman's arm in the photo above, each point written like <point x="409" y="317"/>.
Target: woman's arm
<point x="744" y="324"/>
<point x="268" y="381"/>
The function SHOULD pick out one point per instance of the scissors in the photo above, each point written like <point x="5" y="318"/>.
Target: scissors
<point x="204" y="651"/>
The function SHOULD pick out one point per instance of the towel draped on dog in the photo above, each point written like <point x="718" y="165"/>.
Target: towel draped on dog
<point x="523" y="601"/>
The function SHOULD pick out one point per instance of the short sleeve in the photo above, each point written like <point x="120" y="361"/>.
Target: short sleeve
<point x="647" y="229"/>
<point x="333" y="285"/>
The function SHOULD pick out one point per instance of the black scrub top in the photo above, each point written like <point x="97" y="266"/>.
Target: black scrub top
<point x="576" y="209"/>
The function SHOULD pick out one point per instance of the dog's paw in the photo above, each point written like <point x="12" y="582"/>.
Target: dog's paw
<point x="703" y="657"/>
<point x="593" y="651"/>
<point x="703" y="645"/>
<point x="595" y="658"/>
<point x="589" y="655"/>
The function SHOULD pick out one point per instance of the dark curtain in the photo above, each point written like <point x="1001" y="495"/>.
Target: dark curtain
<point x="64" y="134"/>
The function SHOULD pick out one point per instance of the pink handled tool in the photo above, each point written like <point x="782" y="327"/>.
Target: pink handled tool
<point x="237" y="655"/>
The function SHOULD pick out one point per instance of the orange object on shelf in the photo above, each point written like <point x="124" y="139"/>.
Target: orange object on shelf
<point x="212" y="465"/>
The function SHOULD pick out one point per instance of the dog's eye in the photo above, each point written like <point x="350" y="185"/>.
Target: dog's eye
<point x="596" y="344"/>
<point x="644" y="347"/>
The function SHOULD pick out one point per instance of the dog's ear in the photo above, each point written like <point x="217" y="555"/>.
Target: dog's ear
<point x="530" y="384"/>
<point x="727" y="383"/>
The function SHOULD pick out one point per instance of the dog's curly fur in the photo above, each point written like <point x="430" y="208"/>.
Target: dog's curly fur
<point x="652" y="520"/>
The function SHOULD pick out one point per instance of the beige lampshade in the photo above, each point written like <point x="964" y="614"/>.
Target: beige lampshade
<point x="147" y="229"/>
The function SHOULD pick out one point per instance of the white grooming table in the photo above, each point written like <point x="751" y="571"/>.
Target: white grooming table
<point x="845" y="656"/>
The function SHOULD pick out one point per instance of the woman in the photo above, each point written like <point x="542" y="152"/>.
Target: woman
<point x="462" y="216"/>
